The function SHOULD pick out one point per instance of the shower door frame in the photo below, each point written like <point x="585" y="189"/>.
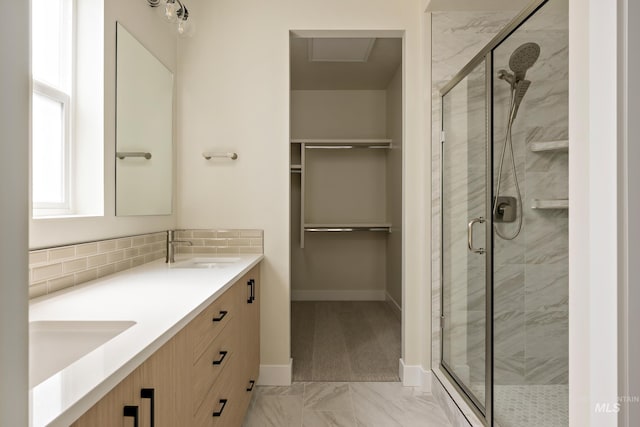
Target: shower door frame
<point x="485" y="413"/>
<point x="486" y="54"/>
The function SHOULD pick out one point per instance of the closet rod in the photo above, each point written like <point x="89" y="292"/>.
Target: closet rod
<point x="346" y="229"/>
<point x="344" y="147"/>
<point x="329" y="147"/>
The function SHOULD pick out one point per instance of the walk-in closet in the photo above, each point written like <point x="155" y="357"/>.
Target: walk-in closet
<point x="346" y="208"/>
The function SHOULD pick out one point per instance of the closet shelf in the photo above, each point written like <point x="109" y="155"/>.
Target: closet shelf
<point x="550" y="204"/>
<point x="347" y="227"/>
<point x="562" y="145"/>
<point x="343" y="143"/>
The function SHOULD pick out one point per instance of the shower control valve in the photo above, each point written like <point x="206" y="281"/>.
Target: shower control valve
<point x="506" y="209"/>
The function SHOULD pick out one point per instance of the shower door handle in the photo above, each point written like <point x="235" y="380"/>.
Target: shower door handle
<point x="470" y="235"/>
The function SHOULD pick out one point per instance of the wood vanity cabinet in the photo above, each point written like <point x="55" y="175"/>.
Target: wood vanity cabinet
<point x="154" y="384"/>
<point x="203" y="376"/>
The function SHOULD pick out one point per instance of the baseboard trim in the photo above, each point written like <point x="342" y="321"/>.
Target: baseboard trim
<point x="394" y="306"/>
<point x="275" y="375"/>
<point x="415" y="376"/>
<point x="330" y="295"/>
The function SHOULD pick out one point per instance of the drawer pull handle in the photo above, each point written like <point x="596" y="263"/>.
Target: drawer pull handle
<point x="251" y="384"/>
<point x="131" y="411"/>
<point x="222" y="314"/>
<point x="149" y="393"/>
<point x="219" y="413"/>
<point x="252" y="291"/>
<point x="219" y="361"/>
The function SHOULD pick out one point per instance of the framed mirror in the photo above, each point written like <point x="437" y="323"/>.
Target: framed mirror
<point x="144" y="130"/>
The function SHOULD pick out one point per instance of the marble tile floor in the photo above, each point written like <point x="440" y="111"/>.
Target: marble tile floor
<point x="344" y="404"/>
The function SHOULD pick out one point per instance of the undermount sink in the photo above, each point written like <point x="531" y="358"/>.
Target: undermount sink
<point x="206" y="262"/>
<point x="54" y="345"/>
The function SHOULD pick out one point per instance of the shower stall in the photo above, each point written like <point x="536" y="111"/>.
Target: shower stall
<point x="504" y="224"/>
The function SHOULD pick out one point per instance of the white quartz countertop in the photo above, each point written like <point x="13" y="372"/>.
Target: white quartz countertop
<point x="159" y="298"/>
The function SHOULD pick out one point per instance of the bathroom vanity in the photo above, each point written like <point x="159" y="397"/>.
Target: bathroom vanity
<point x="158" y="345"/>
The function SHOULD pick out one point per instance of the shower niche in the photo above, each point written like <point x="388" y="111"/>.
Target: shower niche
<point x="502" y="291"/>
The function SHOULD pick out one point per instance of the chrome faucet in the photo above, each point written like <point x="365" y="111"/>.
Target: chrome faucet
<point x="170" y="246"/>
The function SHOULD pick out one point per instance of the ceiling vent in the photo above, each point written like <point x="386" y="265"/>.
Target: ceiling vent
<point x="340" y="49"/>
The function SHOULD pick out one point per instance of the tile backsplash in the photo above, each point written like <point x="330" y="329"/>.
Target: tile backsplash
<point x="54" y="269"/>
<point x="220" y="241"/>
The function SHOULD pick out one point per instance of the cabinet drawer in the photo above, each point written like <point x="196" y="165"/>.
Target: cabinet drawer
<point x="204" y="328"/>
<point x="219" y="403"/>
<point x="222" y="352"/>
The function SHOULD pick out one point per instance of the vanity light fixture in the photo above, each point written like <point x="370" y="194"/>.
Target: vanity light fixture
<point x="175" y="12"/>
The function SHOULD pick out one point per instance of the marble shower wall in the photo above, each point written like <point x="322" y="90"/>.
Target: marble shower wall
<point x="530" y="272"/>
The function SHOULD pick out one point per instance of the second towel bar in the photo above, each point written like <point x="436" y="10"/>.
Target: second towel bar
<point x="121" y="154"/>
<point x="209" y="156"/>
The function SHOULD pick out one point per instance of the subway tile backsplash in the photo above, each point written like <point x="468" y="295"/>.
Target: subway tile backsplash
<point x="58" y="268"/>
<point x="221" y="241"/>
<point x="54" y="269"/>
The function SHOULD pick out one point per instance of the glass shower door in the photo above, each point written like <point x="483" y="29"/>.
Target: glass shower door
<point x="530" y="256"/>
<point x="464" y="245"/>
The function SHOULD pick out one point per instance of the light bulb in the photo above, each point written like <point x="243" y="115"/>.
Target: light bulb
<point x="168" y="10"/>
<point x="186" y="27"/>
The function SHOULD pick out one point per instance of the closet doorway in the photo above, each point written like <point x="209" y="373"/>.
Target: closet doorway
<point x="346" y="207"/>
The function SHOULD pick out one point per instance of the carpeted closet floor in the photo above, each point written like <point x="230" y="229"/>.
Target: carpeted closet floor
<point x="344" y="341"/>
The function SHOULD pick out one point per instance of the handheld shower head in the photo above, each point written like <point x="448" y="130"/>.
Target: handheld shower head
<point x="521" y="88"/>
<point x="520" y="61"/>
<point x="523" y="58"/>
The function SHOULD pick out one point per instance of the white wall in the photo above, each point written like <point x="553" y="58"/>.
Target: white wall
<point x="234" y="93"/>
<point x="426" y="296"/>
<point x="593" y="207"/>
<point x="160" y="39"/>
<point x="14" y="122"/>
<point x="338" y="114"/>
<point x="394" y="188"/>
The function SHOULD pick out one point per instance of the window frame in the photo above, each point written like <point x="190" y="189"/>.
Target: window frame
<point x="64" y="95"/>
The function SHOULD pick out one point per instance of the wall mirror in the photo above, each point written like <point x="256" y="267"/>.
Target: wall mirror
<point x="144" y="130"/>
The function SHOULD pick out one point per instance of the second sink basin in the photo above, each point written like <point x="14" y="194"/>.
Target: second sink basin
<point x="54" y="345"/>
<point x="206" y="262"/>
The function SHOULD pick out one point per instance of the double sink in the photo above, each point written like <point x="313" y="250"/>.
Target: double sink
<point x="54" y="345"/>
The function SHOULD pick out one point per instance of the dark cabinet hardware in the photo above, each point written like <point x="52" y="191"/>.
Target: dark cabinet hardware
<point x="251" y="384"/>
<point x="131" y="411"/>
<point x="149" y="393"/>
<point x="252" y="291"/>
<point x="223" y="354"/>
<point x="219" y="413"/>
<point x="222" y="314"/>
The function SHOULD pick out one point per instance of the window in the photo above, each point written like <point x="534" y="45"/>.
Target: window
<point x="52" y="104"/>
